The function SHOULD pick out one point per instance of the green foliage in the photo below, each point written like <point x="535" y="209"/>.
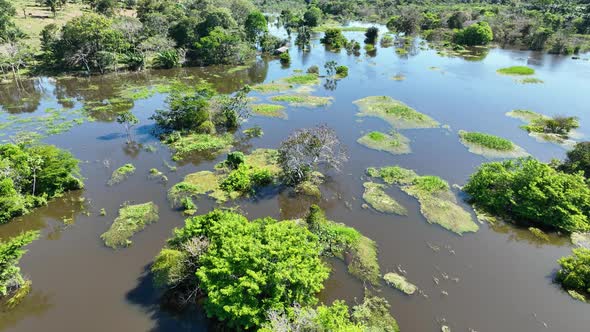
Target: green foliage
<point x="342" y="71"/>
<point x="578" y="159"/>
<point x="313" y="16"/>
<point x="167" y="59"/>
<point x="559" y="125"/>
<point x="245" y="178"/>
<point x="487" y="141"/>
<point x="169" y="267"/>
<point x="186" y="112"/>
<point x="31" y="175"/>
<point x="235" y="159"/>
<point x="530" y="191"/>
<point x="476" y="34"/>
<point x="285" y="58"/>
<point x="252" y="267"/>
<point x="255" y="26"/>
<point x="195" y="143"/>
<point x="334" y="38"/>
<point x="516" y="70"/>
<point x="121" y="174"/>
<point x="8" y="30"/>
<point x="221" y="46"/>
<point x="575" y="271"/>
<point x="131" y="219"/>
<point x="371" y="35"/>
<point x="10" y="253"/>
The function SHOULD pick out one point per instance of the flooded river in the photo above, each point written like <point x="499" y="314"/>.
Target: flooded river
<point x="499" y="278"/>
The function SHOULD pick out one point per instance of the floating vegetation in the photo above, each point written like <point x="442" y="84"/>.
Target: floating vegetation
<point x="237" y="68"/>
<point x="303" y="79"/>
<point x="396" y="113"/>
<point x="303" y="100"/>
<point x="156" y="174"/>
<point x="395" y="143"/>
<point x="539" y="234"/>
<point x="131" y="219"/>
<point x="376" y="197"/>
<point x="225" y="183"/>
<point x="121" y="174"/>
<point x="581" y="239"/>
<point x="19" y="295"/>
<point x="530" y="80"/>
<point x="255" y="131"/>
<point x="547" y="129"/>
<point x="310" y="187"/>
<point x="53" y="122"/>
<point x="269" y="110"/>
<point x="194" y="143"/>
<point x="324" y="28"/>
<point x="271" y="87"/>
<point x="490" y="146"/>
<point x="438" y="204"/>
<point x="398" y="77"/>
<point x="400" y="282"/>
<point x="136" y="93"/>
<point x="516" y="70"/>
<point x="577" y="296"/>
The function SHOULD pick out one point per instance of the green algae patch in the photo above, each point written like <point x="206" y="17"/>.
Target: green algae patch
<point x="396" y="113"/>
<point x="271" y="87"/>
<point x="438" y="204"/>
<point x="303" y="100"/>
<point x="131" y="219"/>
<point x="303" y="79"/>
<point x="530" y="80"/>
<point x="400" y="282"/>
<point x="516" y="70"/>
<point x="195" y="143"/>
<point x="580" y="239"/>
<point x="121" y="173"/>
<point x="376" y="197"/>
<point x="269" y="110"/>
<point x="395" y="143"/>
<point x="490" y="146"/>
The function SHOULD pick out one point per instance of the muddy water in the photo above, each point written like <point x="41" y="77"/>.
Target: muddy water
<point x="504" y="275"/>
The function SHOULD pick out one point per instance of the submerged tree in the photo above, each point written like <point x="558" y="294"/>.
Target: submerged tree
<point x="306" y="150"/>
<point x="128" y="120"/>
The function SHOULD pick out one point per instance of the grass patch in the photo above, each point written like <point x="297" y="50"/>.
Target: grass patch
<point x="395" y="143"/>
<point x="269" y="110"/>
<point x="376" y="197"/>
<point x="311" y="186"/>
<point x="516" y="70"/>
<point x="121" y="173"/>
<point x="131" y="219"/>
<point x="271" y="87"/>
<point x="438" y="204"/>
<point x="490" y="146"/>
<point x="303" y="100"/>
<point x="545" y="128"/>
<point x="396" y="113"/>
<point x="195" y="143"/>
<point x="253" y="132"/>
<point x="400" y="282"/>
<point x="303" y="79"/>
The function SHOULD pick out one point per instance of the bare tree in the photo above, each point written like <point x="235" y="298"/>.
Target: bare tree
<point x="306" y="150"/>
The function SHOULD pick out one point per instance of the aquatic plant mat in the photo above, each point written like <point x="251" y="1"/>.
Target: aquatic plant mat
<point x="121" y="173"/>
<point x="131" y="219"/>
<point x="395" y="143"/>
<point x="396" y="113"/>
<point x="194" y="143"/>
<point x="533" y="121"/>
<point x="490" y="146"/>
<point x="269" y="110"/>
<point x="376" y="197"/>
<point x="438" y="204"/>
<point x="400" y="282"/>
<point x="516" y="70"/>
<point x="303" y="100"/>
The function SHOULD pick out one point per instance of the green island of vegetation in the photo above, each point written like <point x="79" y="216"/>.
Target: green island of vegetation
<point x="303" y="100"/>
<point x="131" y="219"/>
<point x="33" y="174"/>
<point x="557" y="129"/>
<point x="121" y="173"/>
<point x="574" y="274"/>
<point x="13" y="286"/>
<point x="490" y="146"/>
<point x="224" y="243"/>
<point x="400" y="282"/>
<point x="516" y="70"/>
<point x="269" y="110"/>
<point x="396" y="113"/>
<point x="376" y="197"/>
<point x="438" y="204"/>
<point x="395" y="143"/>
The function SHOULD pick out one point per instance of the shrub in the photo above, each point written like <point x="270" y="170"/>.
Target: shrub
<point x="530" y="191"/>
<point x="186" y="112"/>
<point x="371" y="35"/>
<point x="578" y="159"/>
<point x="235" y="159"/>
<point x="476" y="34"/>
<point x="285" y="58"/>
<point x="334" y="38"/>
<point x="342" y="71"/>
<point x="167" y="59"/>
<point x="575" y="271"/>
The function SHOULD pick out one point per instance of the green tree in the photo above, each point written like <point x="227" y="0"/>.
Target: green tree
<point x="313" y="16"/>
<point x="334" y="38"/>
<point x="578" y="159"/>
<point x="128" y="120"/>
<point x="255" y="26"/>
<point x="185" y="112"/>
<point x="11" y="252"/>
<point x="476" y="34"/>
<point x="575" y="271"/>
<point x="371" y="35"/>
<point x="530" y="191"/>
<point x="220" y="47"/>
<point x="8" y="30"/>
<point x="252" y="267"/>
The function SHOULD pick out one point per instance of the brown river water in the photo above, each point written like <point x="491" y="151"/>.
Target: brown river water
<point x="504" y="273"/>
